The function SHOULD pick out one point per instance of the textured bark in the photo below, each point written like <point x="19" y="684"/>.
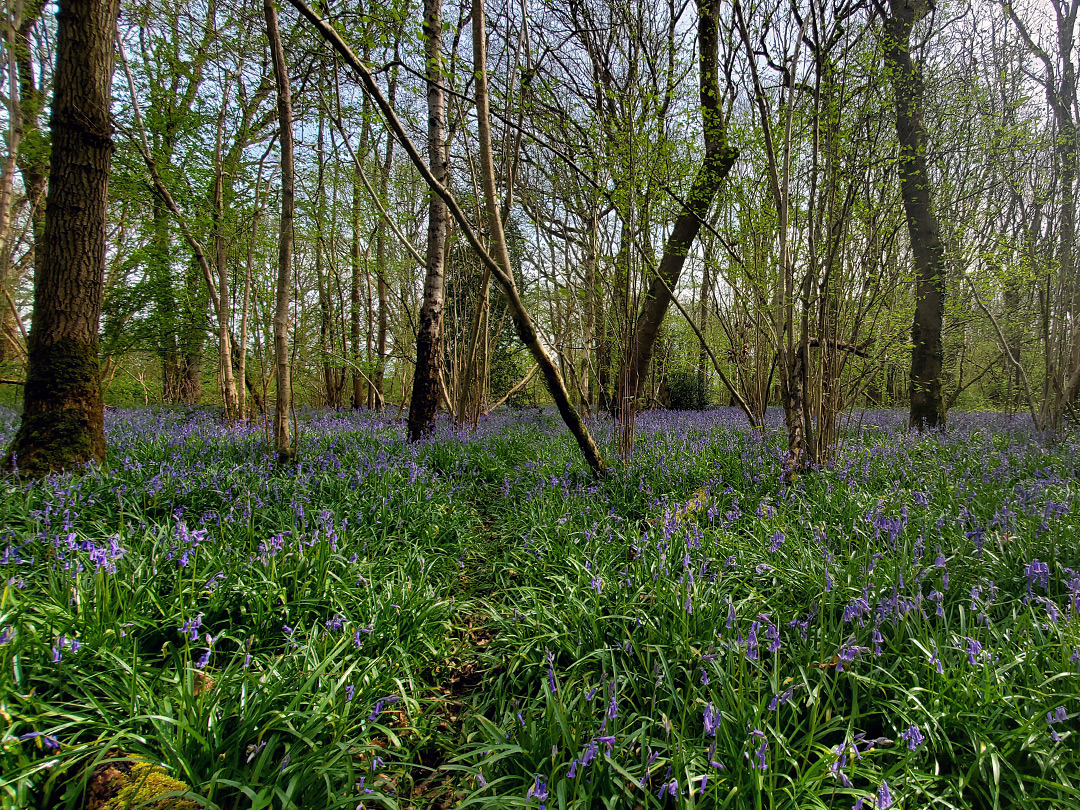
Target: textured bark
<point x="425" y="392"/>
<point x="927" y="247"/>
<point x="282" y="438"/>
<point x="719" y="158"/>
<point x="63" y="415"/>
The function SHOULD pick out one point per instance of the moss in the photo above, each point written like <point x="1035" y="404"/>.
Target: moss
<point x="63" y="417"/>
<point x="142" y="786"/>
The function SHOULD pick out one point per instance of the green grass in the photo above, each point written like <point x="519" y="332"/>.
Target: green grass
<point x="552" y="639"/>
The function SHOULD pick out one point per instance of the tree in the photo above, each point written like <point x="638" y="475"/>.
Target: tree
<point x="63" y="413"/>
<point x="282" y="440"/>
<point x="719" y="157"/>
<point x="927" y="246"/>
<point x="425" y="392"/>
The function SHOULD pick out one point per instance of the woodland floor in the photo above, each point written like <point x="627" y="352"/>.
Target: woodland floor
<point x="475" y="620"/>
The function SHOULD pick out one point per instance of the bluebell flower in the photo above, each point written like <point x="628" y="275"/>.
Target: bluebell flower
<point x="711" y="719"/>
<point x="913" y="737"/>
<point x="382" y="703"/>
<point x="539" y="790"/>
<point x="884" y="798"/>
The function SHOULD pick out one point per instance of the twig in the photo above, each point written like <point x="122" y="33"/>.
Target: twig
<point x="515" y="389"/>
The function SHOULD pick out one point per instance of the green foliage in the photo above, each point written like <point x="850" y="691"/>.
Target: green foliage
<point x="686" y="390"/>
<point x="245" y="624"/>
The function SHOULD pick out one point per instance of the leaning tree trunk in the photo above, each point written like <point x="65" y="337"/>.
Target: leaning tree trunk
<point x="282" y="439"/>
<point x="720" y="156"/>
<point x="425" y="392"/>
<point x="63" y="414"/>
<point x="927" y="247"/>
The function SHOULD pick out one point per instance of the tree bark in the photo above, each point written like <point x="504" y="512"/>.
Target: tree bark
<point x="63" y="414"/>
<point x="927" y="247"/>
<point x="425" y="392"/>
<point x="282" y="439"/>
<point x="30" y="154"/>
<point x="356" y="267"/>
<point x="720" y="156"/>
<point x="229" y="397"/>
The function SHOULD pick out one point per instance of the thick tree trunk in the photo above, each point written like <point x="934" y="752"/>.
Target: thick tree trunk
<point x="927" y="247"/>
<point x="720" y="156"/>
<point x="425" y="392"/>
<point x="63" y="414"/>
<point x="282" y="439"/>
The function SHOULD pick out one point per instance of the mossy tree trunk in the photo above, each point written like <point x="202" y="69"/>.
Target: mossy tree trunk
<point x="719" y="157"/>
<point x="63" y="421"/>
<point x="927" y="247"/>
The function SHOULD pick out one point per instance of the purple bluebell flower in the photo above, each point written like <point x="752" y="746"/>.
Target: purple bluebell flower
<point x="381" y="704"/>
<point x="671" y="788"/>
<point x="848" y="652"/>
<point x="777" y="541"/>
<point x="760" y="756"/>
<point x="1037" y="573"/>
<point x="539" y="790"/>
<point x="884" y="797"/>
<point x="711" y="719"/>
<point x="936" y="661"/>
<point x="913" y="737"/>
<point x="974" y="649"/>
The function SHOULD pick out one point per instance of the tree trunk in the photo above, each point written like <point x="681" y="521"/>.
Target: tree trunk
<point x="282" y="439"/>
<point x="720" y="156"/>
<point x="381" y="262"/>
<point x="425" y="393"/>
<point x="29" y="153"/>
<point x="356" y="261"/>
<point x="63" y="414"/>
<point x="228" y="381"/>
<point x="502" y="268"/>
<point x="927" y="248"/>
